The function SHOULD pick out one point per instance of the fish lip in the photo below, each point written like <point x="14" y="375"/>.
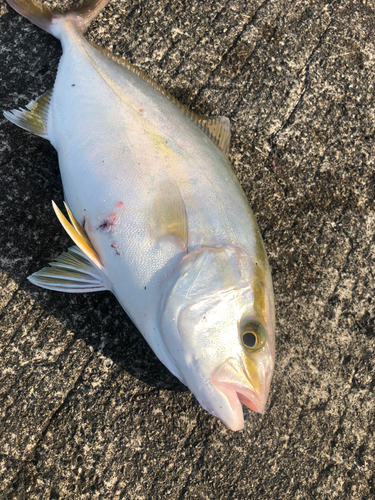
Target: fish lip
<point x="231" y="379"/>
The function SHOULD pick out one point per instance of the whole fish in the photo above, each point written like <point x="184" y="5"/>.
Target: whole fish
<point x="158" y="218"/>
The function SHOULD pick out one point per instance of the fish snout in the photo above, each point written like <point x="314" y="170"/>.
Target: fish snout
<point x="232" y="380"/>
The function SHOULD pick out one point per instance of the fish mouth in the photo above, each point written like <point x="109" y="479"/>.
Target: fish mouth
<point x="231" y="379"/>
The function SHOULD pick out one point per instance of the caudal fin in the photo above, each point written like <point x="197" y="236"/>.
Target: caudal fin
<point x="47" y="19"/>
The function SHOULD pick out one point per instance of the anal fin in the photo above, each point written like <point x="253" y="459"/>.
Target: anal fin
<point x="71" y="272"/>
<point x="34" y="117"/>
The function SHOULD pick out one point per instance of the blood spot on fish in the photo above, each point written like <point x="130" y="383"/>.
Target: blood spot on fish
<point x="141" y="110"/>
<point x="109" y="222"/>
<point x="114" y="245"/>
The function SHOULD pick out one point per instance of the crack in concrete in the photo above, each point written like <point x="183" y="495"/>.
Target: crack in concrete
<point x="28" y="457"/>
<point x="229" y="51"/>
<point x="305" y="69"/>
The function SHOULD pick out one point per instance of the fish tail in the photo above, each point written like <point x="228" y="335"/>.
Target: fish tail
<point x="81" y="15"/>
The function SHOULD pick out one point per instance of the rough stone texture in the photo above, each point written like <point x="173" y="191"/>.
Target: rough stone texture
<point x="86" y="410"/>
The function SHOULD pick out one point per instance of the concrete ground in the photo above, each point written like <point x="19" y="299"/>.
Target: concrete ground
<point x="86" y="409"/>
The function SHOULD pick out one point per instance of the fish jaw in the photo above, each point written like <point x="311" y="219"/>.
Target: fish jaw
<point x="225" y="406"/>
<point x="231" y="379"/>
<point x="227" y="389"/>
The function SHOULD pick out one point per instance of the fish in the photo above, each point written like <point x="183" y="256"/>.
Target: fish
<point x="157" y="216"/>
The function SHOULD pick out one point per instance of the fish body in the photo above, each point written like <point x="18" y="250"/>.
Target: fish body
<point x="166" y="224"/>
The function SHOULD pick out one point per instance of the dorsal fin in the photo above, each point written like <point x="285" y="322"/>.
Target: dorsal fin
<point x="34" y="117"/>
<point x="217" y="128"/>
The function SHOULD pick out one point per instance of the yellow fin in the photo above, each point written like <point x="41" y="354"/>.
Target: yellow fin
<point x="76" y="225"/>
<point x="169" y="213"/>
<point x="34" y="117"/>
<point x="78" y="236"/>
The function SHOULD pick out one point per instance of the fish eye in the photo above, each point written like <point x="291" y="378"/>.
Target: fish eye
<point x="253" y="335"/>
<point x="249" y="339"/>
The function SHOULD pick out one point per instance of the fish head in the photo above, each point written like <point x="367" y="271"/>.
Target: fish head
<point x="217" y="324"/>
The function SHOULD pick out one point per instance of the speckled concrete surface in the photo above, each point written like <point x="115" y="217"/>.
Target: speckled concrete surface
<point x="86" y="410"/>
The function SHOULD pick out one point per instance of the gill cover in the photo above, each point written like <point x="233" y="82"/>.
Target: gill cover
<point x="201" y="275"/>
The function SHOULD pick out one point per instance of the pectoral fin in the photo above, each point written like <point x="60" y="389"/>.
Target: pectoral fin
<point x="168" y="214"/>
<point x="71" y="272"/>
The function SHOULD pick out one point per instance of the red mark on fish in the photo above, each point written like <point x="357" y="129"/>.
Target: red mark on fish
<point x="114" y="245"/>
<point x="109" y="222"/>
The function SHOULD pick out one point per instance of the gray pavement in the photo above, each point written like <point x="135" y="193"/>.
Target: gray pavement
<point x="86" y="409"/>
